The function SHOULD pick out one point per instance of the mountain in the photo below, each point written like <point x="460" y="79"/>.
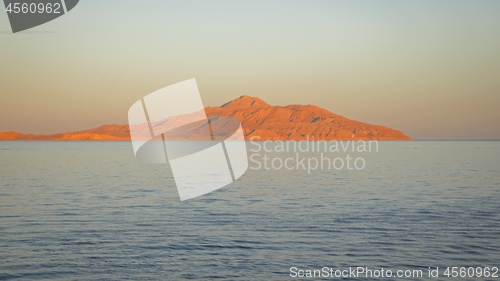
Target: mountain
<point x="259" y="120"/>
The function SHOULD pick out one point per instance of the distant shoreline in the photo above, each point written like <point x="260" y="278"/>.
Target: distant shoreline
<point x="263" y="140"/>
<point x="258" y="120"/>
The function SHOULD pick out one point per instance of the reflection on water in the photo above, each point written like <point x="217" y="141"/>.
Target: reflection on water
<point x="90" y="210"/>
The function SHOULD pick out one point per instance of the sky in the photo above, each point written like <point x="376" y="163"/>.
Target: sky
<point x="428" y="68"/>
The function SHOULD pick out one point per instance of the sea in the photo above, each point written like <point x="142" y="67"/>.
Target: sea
<point x="426" y="210"/>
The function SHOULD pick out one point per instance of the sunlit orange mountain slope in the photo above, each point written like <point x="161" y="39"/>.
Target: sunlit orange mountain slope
<point x="259" y="121"/>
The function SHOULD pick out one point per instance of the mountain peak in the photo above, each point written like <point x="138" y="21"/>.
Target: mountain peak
<point x="259" y="120"/>
<point x="245" y="102"/>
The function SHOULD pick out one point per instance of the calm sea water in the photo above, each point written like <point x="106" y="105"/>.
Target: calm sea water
<point x="91" y="211"/>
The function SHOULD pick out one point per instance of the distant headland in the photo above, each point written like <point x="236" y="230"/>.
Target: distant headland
<point x="260" y="121"/>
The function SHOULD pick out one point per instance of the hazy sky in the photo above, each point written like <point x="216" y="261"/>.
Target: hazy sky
<point x="428" y="68"/>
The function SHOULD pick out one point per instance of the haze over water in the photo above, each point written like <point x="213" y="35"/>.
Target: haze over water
<point x="91" y="211"/>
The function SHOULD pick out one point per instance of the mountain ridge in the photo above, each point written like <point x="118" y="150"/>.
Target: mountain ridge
<point x="260" y="121"/>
